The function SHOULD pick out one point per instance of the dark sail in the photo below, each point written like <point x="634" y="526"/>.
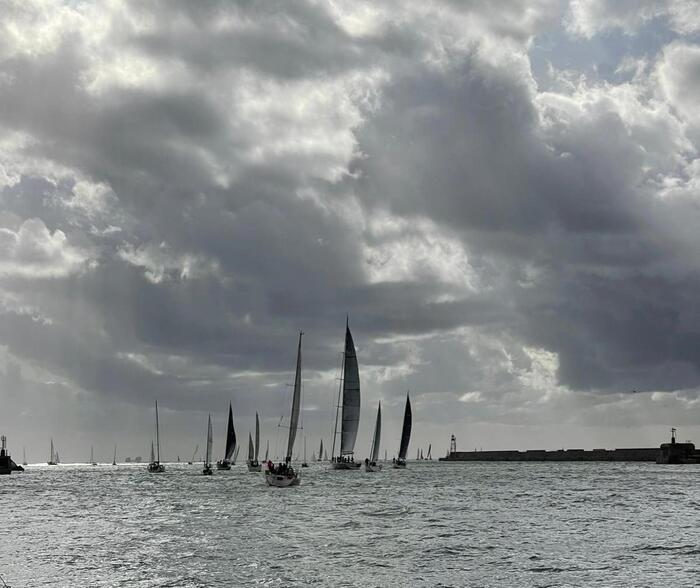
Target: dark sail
<point x="230" y="436"/>
<point x="351" y="397"/>
<point x="406" y="432"/>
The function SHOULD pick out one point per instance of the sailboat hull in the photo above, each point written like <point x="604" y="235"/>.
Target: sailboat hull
<point x="156" y="468"/>
<point x="377" y="467"/>
<point x="345" y="465"/>
<point x="399" y="465"/>
<point x="223" y="465"/>
<point x="282" y="480"/>
<point x="254" y="467"/>
<point x="207" y="471"/>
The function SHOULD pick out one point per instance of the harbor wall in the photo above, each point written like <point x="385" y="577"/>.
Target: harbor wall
<point x="632" y="454"/>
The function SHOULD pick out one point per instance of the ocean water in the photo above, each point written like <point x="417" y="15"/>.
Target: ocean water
<point x="434" y="524"/>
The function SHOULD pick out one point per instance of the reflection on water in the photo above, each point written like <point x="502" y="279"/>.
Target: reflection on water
<point x="433" y="524"/>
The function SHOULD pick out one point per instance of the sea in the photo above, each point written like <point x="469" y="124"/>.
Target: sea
<point x="433" y="524"/>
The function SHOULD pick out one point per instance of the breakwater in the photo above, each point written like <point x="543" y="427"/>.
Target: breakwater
<point x="650" y="454"/>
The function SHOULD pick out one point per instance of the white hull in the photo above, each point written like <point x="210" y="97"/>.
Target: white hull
<point x="373" y="468"/>
<point x="281" y="480"/>
<point x="345" y="465"/>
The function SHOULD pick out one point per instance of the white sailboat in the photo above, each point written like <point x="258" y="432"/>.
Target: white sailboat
<point x="371" y="464"/>
<point x="207" y="456"/>
<point x="155" y="467"/>
<point x="92" y="456"/>
<point x="285" y="475"/>
<point x="225" y="464"/>
<point x="429" y="454"/>
<point x="253" y="450"/>
<point x="400" y="462"/>
<point x="194" y="455"/>
<point x="350" y="421"/>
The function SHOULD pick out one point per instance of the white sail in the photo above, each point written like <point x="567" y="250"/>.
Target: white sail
<point x="153" y="453"/>
<point x="257" y="436"/>
<point x="351" y="397"/>
<point x="210" y="440"/>
<point x="296" y="404"/>
<point x="157" y="435"/>
<point x="374" y="453"/>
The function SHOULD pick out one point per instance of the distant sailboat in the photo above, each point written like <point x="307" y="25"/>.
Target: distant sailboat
<point x="350" y="421"/>
<point x="320" y="451"/>
<point x="207" y="456"/>
<point x="267" y="450"/>
<point x="284" y="475"/>
<point x="53" y="456"/>
<point x="304" y="464"/>
<point x="385" y="455"/>
<point x="325" y="455"/>
<point x="155" y="466"/>
<point x="225" y="464"/>
<point x="194" y="455"/>
<point x="371" y="464"/>
<point x="92" y="456"/>
<point x="253" y="450"/>
<point x="114" y="459"/>
<point x="400" y="462"/>
<point x="429" y="456"/>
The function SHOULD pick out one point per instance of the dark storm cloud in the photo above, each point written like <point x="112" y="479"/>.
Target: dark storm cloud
<point x="194" y="183"/>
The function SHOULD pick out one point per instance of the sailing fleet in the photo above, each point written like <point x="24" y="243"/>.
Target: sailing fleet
<point x="346" y="425"/>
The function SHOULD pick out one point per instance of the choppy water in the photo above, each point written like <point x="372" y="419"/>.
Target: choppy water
<point x="434" y="524"/>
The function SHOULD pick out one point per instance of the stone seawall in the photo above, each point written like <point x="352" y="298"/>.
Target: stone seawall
<point x="632" y="454"/>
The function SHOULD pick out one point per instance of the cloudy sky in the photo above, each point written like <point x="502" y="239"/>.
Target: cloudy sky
<point x="504" y="197"/>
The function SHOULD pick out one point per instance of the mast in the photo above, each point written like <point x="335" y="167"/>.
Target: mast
<point x="207" y="457"/>
<point x="374" y="452"/>
<point x="337" y="406"/>
<point x="296" y="402"/>
<point x="257" y="436"/>
<point x="351" y="397"/>
<point x="157" y="435"/>
<point x="406" y="432"/>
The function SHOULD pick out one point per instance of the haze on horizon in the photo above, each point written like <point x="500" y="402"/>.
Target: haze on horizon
<point x="503" y="197"/>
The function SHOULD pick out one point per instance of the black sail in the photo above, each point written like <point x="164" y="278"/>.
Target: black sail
<point x="230" y="436"/>
<point x="406" y="432"/>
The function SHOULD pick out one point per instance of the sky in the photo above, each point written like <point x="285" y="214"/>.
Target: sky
<point x="503" y="197"/>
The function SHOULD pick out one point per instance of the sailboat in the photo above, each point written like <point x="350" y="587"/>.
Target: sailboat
<point x="400" y="462"/>
<point x="207" y="455"/>
<point x="267" y="450"/>
<point x="371" y="464"/>
<point x="92" y="456"/>
<point x="304" y="464"/>
<point x="284" y="475"/>
<point x="24" y="456"/>
<point x="225" y="464"/>
<point x="320" y="451"/>
<point x="429" y="455"/>
<point x="155" y="466"/>
<point x="114" y="459"/>
<point x="194" y="454"/>
<point x="350" y="387"/>
<point x="325" y="455"/>
<point x="253" y="464"/>
<point x="53" y="457"/>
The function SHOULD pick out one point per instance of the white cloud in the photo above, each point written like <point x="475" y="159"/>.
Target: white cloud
<point x="33" y="251"/>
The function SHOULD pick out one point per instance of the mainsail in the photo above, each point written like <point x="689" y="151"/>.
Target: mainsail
<point x="157" y="435"/>
<point x="374" y="453"/>
<point x="406" y="432"/>
<point x="153" y="453"/>
<point x="296" y="403"/>
<point x="351" y="397"/>
<point x="320" y="451"/>
<point x="257" y="436"/>
<point x="251" y="450"/>
<point x="230" y="435"/>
